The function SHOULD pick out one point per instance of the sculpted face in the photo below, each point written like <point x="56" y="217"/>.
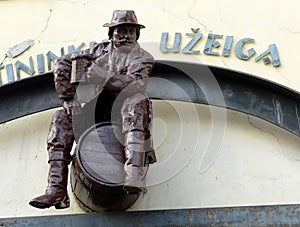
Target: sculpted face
<point x="123" y="35"/>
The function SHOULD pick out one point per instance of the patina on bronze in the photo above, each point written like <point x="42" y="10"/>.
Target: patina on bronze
<point x="118" y="68"/>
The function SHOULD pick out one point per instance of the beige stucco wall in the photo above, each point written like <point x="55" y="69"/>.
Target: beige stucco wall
<point x="248" y="161"/>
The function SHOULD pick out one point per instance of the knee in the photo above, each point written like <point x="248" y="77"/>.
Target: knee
<point x="135" y="114"/>
<point x="61" y="120"/>
<point x="61" y="130"/>
<point x="59" y="116"/>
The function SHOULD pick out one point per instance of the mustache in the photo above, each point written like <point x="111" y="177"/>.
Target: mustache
<point x="124" y="41"/>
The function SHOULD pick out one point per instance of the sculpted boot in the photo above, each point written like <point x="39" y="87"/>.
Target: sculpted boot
<point x="134" y="165"/>
<point x="59" y="143"/>
<point x="56" y="192"/>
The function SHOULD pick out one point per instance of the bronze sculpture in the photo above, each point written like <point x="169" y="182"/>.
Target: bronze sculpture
<point x="118" y="66"/>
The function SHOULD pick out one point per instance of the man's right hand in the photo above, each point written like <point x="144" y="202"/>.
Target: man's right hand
<point x="72" y="107"/>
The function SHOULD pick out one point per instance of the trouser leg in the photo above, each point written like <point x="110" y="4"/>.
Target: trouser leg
<point x="134" y="117"/>
<point x="149" y="147"/>
<point x="61" y="137"/>
<point x="60" y="141"/>
<point x="135" y="158"/>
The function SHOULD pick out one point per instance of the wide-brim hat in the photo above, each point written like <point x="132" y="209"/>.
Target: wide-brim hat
<point x="123" y="17"/>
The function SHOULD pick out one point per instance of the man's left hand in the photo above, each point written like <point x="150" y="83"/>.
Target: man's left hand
<point x="97" y="72"/>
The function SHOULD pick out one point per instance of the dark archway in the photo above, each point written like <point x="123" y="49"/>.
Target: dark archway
<point x="233" y="90"/>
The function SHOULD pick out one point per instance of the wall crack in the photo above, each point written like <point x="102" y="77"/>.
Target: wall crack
<point x="276" y="138"/>
<point x="195" y="19"/>
<point x="47" y="21"/>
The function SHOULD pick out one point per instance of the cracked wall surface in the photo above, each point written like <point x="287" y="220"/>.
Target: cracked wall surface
<point x="56" y="24"/>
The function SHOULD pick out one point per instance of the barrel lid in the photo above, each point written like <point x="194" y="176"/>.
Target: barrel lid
<point x="100" y="153"/>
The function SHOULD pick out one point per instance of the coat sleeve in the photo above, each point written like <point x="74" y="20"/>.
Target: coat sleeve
<point x="63" y="69"/>
<point x="134" y="78"/>
<point x="62" y="77"/>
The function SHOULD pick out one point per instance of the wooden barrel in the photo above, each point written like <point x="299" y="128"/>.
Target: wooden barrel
<point x="97" y="171"/>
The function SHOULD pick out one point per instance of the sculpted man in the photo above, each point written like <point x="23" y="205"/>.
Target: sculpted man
<point x="120" y="68"/>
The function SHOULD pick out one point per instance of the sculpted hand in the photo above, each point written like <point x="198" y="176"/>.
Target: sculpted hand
<point x="72" y="107"/>
<point x="98" y="72"/>
<point x="81" y="54"/>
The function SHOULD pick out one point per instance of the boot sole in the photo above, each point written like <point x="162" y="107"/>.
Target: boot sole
<point x="61" y="204"/>
<point x="39" y="205"/>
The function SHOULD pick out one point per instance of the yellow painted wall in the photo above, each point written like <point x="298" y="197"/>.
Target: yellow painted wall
<point x="56" y="24"/>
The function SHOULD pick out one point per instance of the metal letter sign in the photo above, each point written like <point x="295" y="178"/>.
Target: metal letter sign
<point x="212" y="44"/>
